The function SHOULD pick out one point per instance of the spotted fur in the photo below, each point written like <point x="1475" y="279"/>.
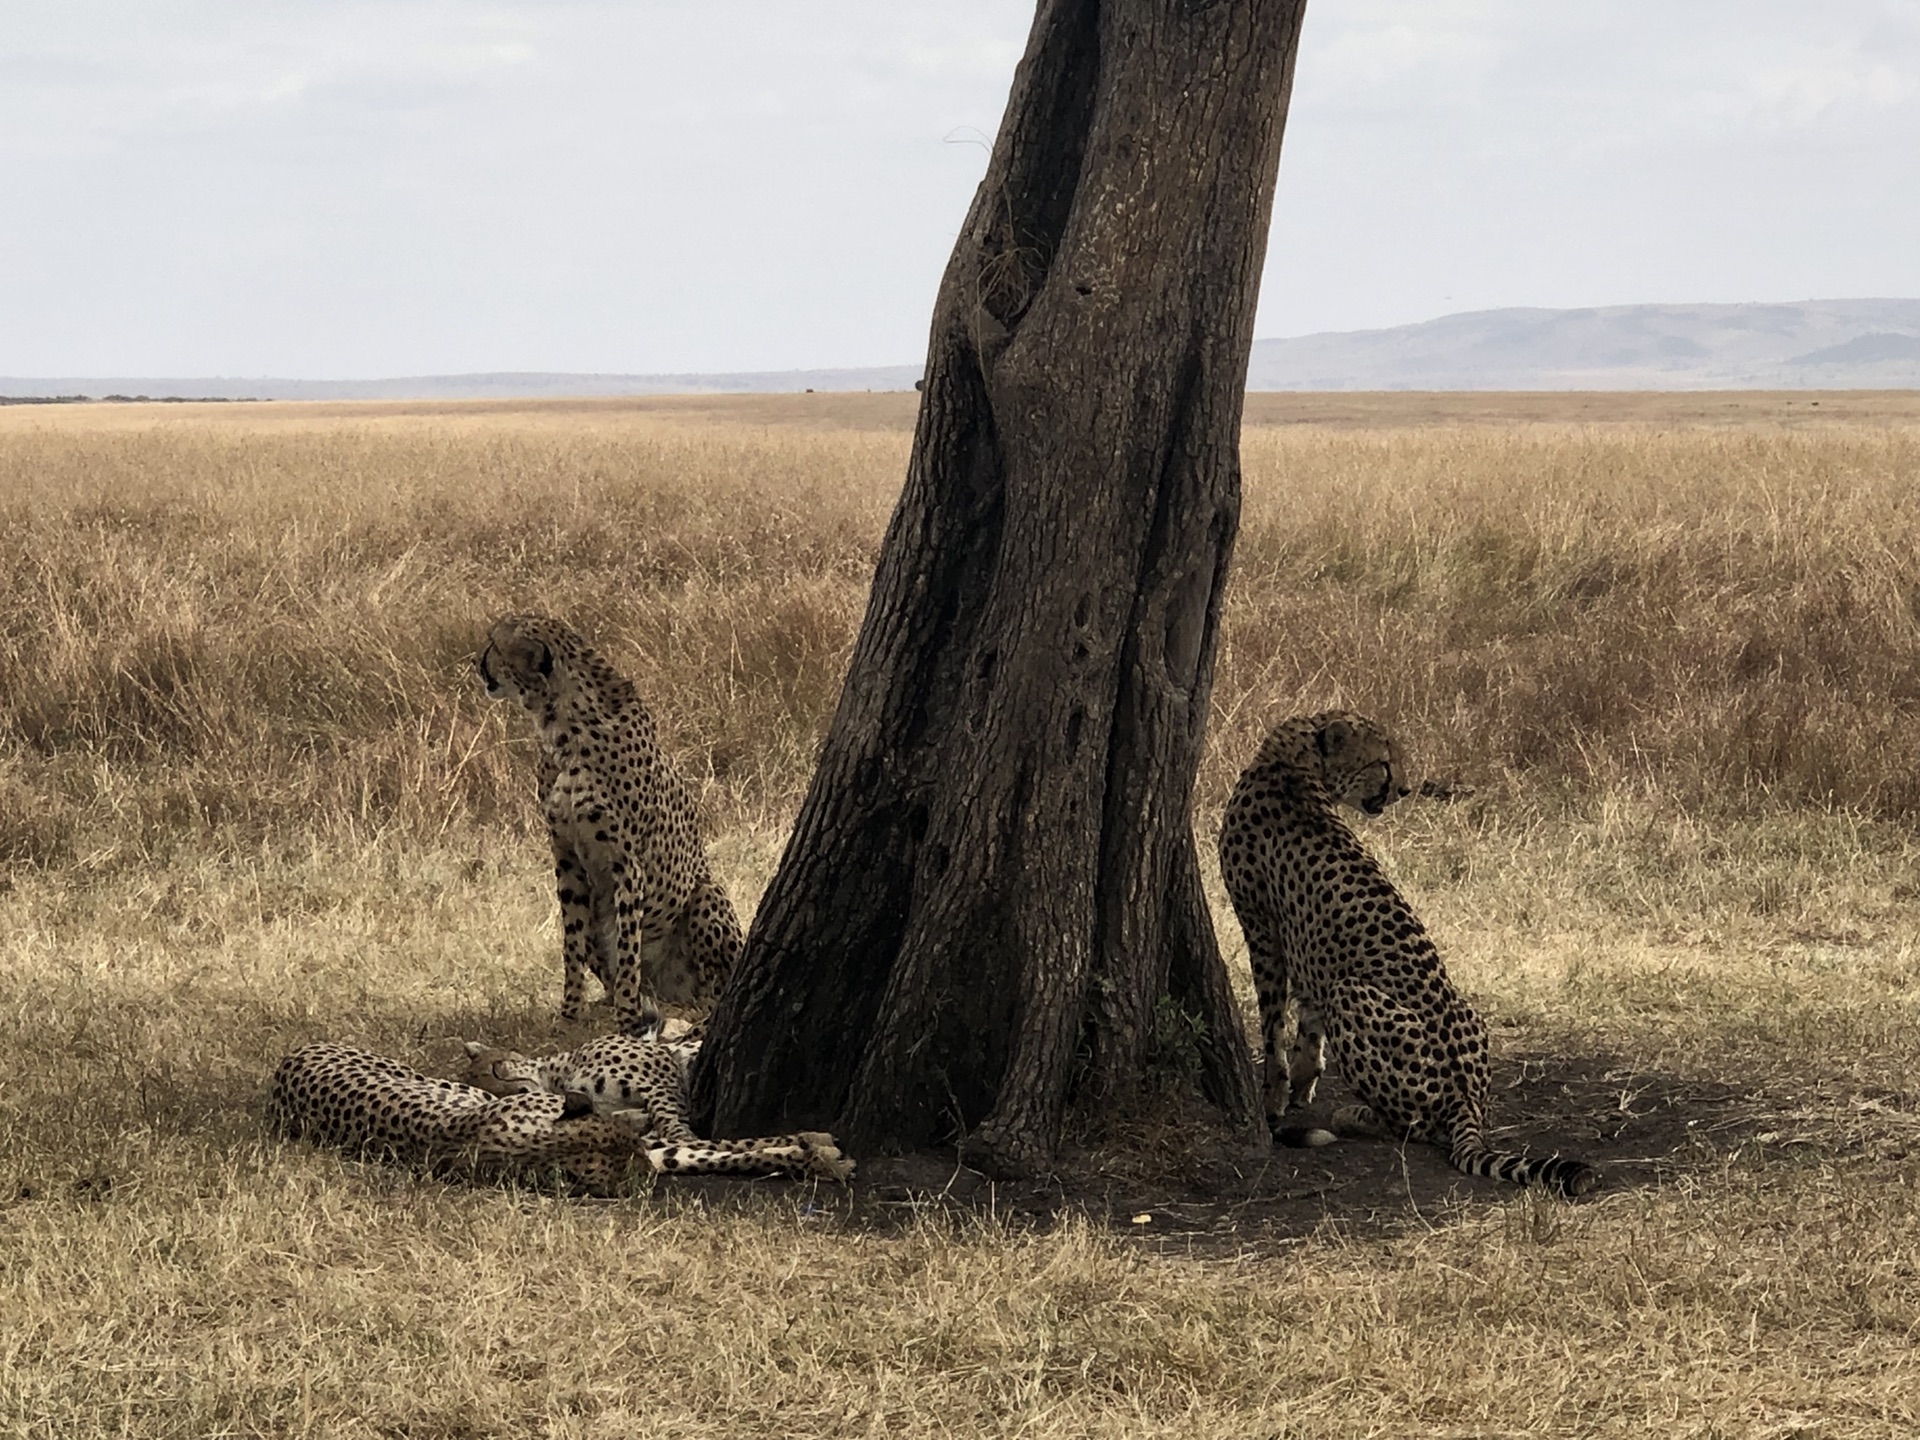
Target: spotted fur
<point x="640" y="1084"/>
<point x="366" y="1104"/>
<point x="1325" y="925"/>
<point x="639" y="906"/>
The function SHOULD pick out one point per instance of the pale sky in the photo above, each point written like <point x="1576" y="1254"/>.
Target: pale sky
<point x="361" y="188"/>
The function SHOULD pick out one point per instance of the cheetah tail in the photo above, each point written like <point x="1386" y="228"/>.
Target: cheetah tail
<point x="1571" y="1178"/>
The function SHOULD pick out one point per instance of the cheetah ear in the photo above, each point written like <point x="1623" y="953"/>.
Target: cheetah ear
<point x="474" y="1047"/>
<point x="575" y="1104"/>
<point x="1332" y="736"/>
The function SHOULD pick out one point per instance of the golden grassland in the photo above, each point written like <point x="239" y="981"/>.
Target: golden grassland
<point x="249" y="796"/>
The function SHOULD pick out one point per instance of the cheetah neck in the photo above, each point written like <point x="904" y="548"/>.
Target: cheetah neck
<point x="576" y="710"/>
<point x="1299" y="787"/>
<point x="1289" y="748"/>
<point x="1301" y="795"/>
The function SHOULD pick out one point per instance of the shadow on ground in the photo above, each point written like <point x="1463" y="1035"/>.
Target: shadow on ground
<point x="1200" y="1191"/>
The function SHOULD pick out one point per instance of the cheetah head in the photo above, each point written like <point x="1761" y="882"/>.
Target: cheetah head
<point x="679" y="1035"/>
<point x="501" y="1072"/>
<point x="520" y="657"/>
<point x="1359" y="762"/>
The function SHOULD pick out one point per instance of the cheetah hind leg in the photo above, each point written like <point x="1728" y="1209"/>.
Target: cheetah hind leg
<point x="811" y="1152"/>
<point x="1306" y="1063"/>
<point x="1357" y="1119"/>
<point x="1344" y="1122"/>
<point x="1439" y="1109"/>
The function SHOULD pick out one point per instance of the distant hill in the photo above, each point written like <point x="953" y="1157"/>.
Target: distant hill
<point x="1809" y="344"/>
<point x="499" y="385"/>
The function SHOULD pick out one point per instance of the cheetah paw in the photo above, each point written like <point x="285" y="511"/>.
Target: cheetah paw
<point x="824" y="1156"/>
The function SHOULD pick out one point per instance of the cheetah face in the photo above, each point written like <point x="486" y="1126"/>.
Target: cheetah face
<point x="516" y="664"/>
<point x="501" y="1072"/>
<point x="1360" y="764"/>
<point x="492" y="678"/>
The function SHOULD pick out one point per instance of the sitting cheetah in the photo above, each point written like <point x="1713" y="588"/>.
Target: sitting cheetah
<point x="640" y="1084"/>
<point x="632" y="876"/>
<point x="1321" y="919"/>
<point x="353" y="1100"/>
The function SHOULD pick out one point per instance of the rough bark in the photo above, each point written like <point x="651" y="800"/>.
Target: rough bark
<point x="992" y="878"/>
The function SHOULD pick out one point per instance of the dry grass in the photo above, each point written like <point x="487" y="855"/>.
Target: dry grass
<point x="248" y="795"/>
<point x="233" y="631"/>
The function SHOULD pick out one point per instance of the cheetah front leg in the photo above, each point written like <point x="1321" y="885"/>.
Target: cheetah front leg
<point x="637" y="1011"/>
<point x="811" y="1152"/>
<point x="713" y="937"/>
<point x="1305" y="1062"/>
<point x="577" y="937"/>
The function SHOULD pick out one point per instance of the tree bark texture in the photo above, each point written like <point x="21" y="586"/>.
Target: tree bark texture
<point x="992" y="878"/>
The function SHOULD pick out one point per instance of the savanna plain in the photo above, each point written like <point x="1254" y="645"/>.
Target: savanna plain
<point x="1663" y="654"/>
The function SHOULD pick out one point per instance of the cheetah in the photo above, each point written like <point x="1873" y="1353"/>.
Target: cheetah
<point x="354" y="1100"/>
<point x="640" y="1084"/>
<point x="351" y="1099"/>
<point x="1323" y="922"/>
<point x="631" y="873"/>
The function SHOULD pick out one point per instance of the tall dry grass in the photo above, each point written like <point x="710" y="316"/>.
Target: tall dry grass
<point x="269" y="636"/>
<point x="264" y="634"/>
<point x="1729" y="617"/>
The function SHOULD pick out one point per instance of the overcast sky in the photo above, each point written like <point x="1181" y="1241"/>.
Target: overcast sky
<point x="331" y="189"/>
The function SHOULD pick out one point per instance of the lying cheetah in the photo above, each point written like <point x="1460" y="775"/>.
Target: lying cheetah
<point x="353" y="1100"/>
<point x="638" y="904"/>
<point x="1322" y="921"/>
<point x="640" y="1084"/>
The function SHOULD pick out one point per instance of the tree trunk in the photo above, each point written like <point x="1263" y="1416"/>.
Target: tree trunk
<point x="993" y="879"/>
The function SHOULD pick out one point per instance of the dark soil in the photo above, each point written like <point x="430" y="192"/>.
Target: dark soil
<point x="1180" y="1183"/>
<point x="1635" y="1126"/>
